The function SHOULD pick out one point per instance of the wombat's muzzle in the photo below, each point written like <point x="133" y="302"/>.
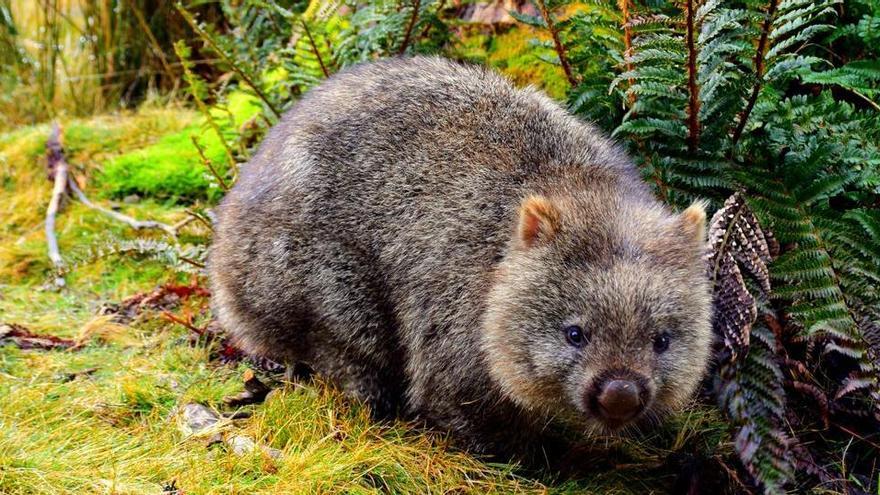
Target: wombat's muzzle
<point x="618" y="397"/>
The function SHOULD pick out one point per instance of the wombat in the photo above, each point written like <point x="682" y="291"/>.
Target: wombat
<point x="443" y="245"/>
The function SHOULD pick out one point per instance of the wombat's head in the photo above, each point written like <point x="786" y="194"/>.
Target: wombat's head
<point x="600" y="311"/>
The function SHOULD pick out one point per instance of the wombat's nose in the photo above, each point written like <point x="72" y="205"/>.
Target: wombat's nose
<point x="619" y="400"/>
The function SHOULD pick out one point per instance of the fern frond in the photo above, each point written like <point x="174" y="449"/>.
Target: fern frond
<point x="749" y="379"/>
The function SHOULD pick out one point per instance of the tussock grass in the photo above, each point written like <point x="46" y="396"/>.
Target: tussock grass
<point x="116" y="430"/>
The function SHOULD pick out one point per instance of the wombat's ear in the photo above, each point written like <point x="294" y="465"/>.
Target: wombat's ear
<point x="538" y="220"/>
<point x="693" y="220"/>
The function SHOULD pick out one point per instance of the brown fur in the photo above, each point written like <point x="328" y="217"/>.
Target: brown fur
<point x="538" y="220"/>
<point x="421" y="233"/>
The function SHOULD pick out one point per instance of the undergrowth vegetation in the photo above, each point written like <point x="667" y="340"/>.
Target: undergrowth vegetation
<point x="774" y="99"/>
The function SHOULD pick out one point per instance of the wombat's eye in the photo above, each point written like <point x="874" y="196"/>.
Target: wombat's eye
<point x="661" y="342"/>
<point x="576" y="336"/>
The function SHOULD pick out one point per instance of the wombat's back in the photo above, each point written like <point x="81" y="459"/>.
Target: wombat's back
<point x="410" y="161"/>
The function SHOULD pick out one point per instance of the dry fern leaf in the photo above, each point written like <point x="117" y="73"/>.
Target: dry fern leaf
<point x="737" y="240"/>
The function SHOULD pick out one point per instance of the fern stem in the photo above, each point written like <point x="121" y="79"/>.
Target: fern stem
<point x="627" y="44"/>
<point x="201" y="219"/>
<point x="661" y="186"/>
<point x="732" y="224"/>
<point x="235" y="68"/>
<point x="315" y="49"/>
<point x="760" y="53"/>
<point x="208" y="163"/>
<point x="693" y="109"/>
<point x="192" y="79"/>
<point x="821" y="246"/>
<point x="438" y="10"/>
<point x="157" y="48"/>
<point x="409" y="28"/>
<point x="557" y="42"/>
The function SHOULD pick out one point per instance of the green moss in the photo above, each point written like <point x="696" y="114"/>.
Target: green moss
<point x="171" y="168"/>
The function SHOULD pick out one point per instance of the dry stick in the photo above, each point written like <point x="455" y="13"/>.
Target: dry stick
<point x="315" y="49"/>
<point x="131" y="222"/>
<point x="58" y="171"/>
<point x="693" y="109"/>
<point x="560" y="50"/>
<point x="180" y="321"/>
<point x="409" y="28"/>
<point x="760" y="53"/>
<point x="191" y="262"/>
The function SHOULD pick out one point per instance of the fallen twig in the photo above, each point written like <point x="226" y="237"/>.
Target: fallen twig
<point x="163" y="298"/>
<point x="25" y="339"/>
<point x="180" y="321"/>
<point x="58" y="172"/>
<point x="171" y="230"/>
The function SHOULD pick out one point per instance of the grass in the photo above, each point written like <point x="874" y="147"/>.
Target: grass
<point x="115" y="431"/>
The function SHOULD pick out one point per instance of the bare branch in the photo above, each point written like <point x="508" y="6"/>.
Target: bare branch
<point x="131" y="222"/>
<point x="58" y="172"/>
